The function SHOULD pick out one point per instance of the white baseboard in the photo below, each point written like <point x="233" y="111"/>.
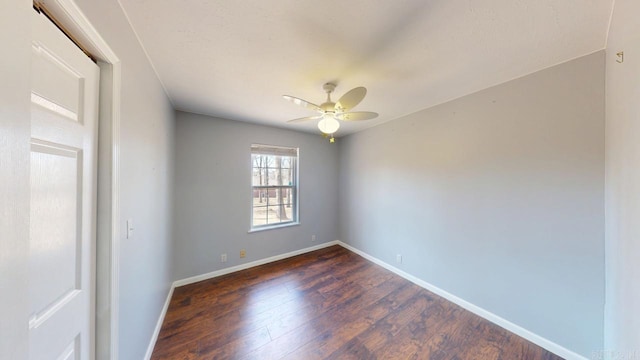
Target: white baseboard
<point x="213" y="274"/>
<point x="518" y="330"/>
<point x="156" y="331"/>
<point x="217" y="273"/>
<point x="506" y="324"/>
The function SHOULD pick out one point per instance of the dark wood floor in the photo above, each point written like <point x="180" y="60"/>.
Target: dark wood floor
<point x="327" y="304"/>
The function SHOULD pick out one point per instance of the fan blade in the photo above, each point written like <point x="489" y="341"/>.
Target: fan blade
<point x="351" y="99"/>
<point x="305" y="119"/>
<point x="356" y="116"/>
<point x="303" y="103"/>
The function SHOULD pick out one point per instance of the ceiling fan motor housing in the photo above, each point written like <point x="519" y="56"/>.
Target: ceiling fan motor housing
<point x="329" y="87"/>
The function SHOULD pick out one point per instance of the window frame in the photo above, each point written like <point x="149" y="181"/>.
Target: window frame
<point x="276" y="150"/>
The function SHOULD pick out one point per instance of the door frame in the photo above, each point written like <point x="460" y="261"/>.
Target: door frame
<point x="106" y="268"/>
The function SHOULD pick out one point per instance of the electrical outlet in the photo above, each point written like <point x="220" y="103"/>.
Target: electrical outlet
<point x="313" y="238"/>
<point x="223" y="258"/>
<point x="243" y="253"/>
<point x="399" y="259"/>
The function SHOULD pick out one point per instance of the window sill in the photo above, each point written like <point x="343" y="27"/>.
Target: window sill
<point x="271" y="227"/>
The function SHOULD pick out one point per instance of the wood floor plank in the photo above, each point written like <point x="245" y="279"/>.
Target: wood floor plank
<point x="327" y="304"/>
<point x="382" y="330"/>
<point x="209" y="348"/>
<point x="346" y="321"/>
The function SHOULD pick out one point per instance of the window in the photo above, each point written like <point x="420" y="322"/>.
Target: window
<point x="274" y="186"/>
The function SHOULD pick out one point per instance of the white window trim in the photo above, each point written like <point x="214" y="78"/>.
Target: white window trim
<point x="296" y="222"/>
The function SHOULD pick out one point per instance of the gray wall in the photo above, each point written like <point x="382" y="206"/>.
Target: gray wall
<point x="146" y="155"/>
<point x="213" y="193"/>
<point x="15" y="65"/>
<point x="622" y="324"/>
<point x="496" y="197"/>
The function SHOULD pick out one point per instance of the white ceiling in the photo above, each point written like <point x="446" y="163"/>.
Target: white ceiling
<point x="235" y="59"/>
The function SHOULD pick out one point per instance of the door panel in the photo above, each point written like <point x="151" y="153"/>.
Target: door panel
<point x="58" y="75"/>
<point x="55" y="213"/>
<point x="64" y="93"/>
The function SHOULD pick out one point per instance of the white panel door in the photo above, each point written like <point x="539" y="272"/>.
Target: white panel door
<point x="64" y="103"/>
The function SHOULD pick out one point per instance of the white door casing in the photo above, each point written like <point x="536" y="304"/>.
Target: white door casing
<point x="64" y="109"/>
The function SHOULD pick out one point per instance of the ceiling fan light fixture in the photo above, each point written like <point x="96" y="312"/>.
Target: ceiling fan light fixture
<point x="331" y="112"/>
<point x="328" y="124"/>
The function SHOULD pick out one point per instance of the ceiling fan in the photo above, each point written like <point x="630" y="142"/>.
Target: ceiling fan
<point x="330" y="112"/>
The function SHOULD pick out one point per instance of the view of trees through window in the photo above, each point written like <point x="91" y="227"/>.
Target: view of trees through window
<point x="273" y="186"/>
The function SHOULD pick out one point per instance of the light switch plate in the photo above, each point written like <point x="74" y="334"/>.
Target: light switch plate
<point x="129" y="228"/>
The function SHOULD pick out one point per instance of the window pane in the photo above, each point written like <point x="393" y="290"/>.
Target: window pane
<point x="273" y="206"/>
<point x="286" y="177"/>
<point x="270" y="160"/>
<point x="278" y="214"/>
<point x="259" y="177"/>
<point x="264" y="170"/>
<point x="259" y="215"/>
<point x="272" y="176"/>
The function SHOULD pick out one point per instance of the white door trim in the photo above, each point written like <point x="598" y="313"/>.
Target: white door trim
<point x="73" y="19"/>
